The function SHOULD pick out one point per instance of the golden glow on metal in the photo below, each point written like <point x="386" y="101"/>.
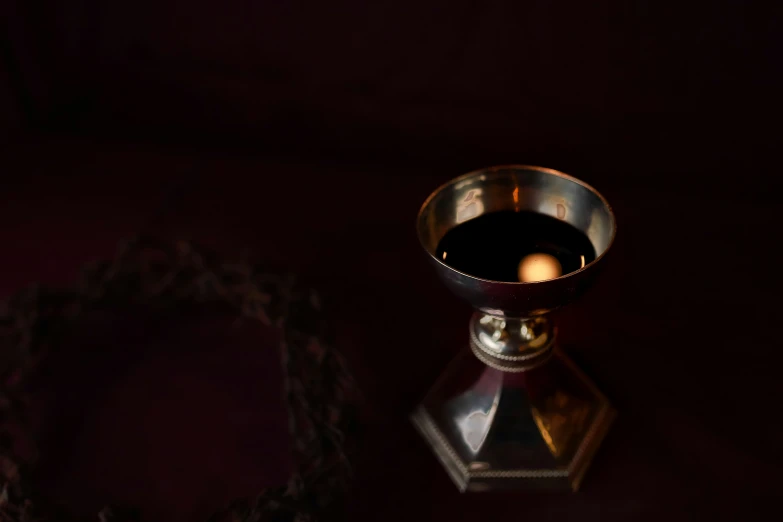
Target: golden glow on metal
<point x="560" y="419"/>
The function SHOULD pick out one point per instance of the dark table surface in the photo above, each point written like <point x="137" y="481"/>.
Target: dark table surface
<point x="681" y="332"/>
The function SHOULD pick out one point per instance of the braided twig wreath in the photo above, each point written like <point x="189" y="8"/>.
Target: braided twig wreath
<point x="160" y="274"/>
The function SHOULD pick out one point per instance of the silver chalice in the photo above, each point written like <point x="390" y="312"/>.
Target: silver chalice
<point x="513" y="410"/>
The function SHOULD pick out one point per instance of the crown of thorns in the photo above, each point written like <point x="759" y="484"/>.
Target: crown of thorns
<point x="154" y="273"/>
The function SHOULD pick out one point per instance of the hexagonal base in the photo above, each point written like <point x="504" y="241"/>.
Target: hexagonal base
<point x="492" y="429"/>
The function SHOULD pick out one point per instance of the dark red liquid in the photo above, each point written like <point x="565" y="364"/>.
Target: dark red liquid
<point x="492" y="245"/>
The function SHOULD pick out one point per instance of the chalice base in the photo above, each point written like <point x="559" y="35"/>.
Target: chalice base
<point x="492" y="429"/>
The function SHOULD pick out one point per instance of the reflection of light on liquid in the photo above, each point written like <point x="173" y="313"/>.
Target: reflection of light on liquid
<point x="539" y="267"/>
<point x="583" y="259"/>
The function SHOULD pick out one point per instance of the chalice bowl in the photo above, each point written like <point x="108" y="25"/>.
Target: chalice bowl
<point x="516" y="242"/>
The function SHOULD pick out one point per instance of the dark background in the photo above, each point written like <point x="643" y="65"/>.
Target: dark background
<point x="308" y="133"/>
